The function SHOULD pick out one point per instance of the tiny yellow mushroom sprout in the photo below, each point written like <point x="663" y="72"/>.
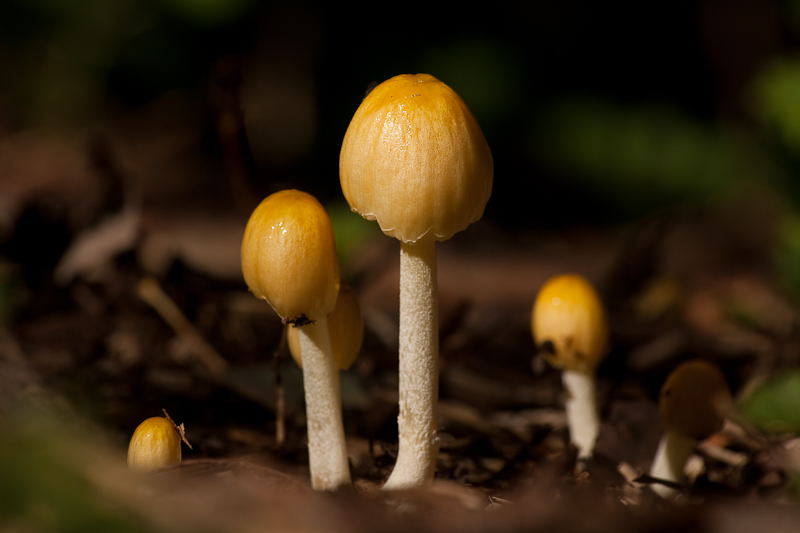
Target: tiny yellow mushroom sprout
<point x="289" y="259"/>
<point x="569" y="328"/>
<point x="346" y="328"/>
<point x="415" y="160"/>
<point x="694" y="401"/>
<point x="156" y="443"/>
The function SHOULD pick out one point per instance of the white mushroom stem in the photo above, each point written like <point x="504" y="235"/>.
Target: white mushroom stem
<point x="583" y="418"/>
<point x="419" y="367"/>
<point x="327" y="451"/>
<point x="670" y="461"/>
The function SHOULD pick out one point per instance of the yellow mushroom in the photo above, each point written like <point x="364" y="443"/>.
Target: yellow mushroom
<point x="569" y="328"/>
<point x="156" y="443"/>
<point x="289" y="256"/>
<point x="415" y="160"/>
<point x="694" y="401"/>
<point x="289" y="259"/>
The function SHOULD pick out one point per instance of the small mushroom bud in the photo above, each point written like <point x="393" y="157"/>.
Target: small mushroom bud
<point x="156" y="443"/>
<point x="569" y="328"/>
<point x="345" y="326"/>
<point x="693" y="402"/>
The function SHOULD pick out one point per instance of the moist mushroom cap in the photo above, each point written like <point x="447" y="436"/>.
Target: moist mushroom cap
<point x="289" y="256"/>
<point x="568" y="324"/>
<point x="415" y="160"/>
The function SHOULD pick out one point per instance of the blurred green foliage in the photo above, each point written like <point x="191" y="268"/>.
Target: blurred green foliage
<point x="63" y="61"/>
<point x="61" y="46"/>
<point x="776" y="100"/>
<point x="640" y="158"/>
<point x="787" y="254"/>
<point x="349" y="229"/>
<point x="775" y="405"/>
<point x="484" y="73"/>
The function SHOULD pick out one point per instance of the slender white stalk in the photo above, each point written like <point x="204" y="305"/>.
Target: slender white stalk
<point x="583" y="418"/>
<point x="327" y="452"/>
<point x="419" y="367"/>
<point x="670" y="461"/>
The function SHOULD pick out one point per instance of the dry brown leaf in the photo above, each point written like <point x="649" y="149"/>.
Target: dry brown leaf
<point x="208" y="244"/>
<point x="94" y="248"/>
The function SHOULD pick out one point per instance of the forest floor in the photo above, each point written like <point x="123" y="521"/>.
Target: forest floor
<point x="112" y="319"/>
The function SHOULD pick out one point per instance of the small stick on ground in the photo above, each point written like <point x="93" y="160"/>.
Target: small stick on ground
<point x="151" y="292"/>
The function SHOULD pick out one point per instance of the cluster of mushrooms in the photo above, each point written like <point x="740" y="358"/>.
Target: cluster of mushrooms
<point x="415" y="160"/>
<point x="570" y="330"/>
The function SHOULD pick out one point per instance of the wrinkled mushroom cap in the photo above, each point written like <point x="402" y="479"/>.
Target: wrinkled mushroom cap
<point x="155" y="444"/>
<point x="695" y="399"/>
<point x="415" y="160"/>
<point x="569" y="324"/>
<point x="289" y="256"/>
<point x="345" y="327"/>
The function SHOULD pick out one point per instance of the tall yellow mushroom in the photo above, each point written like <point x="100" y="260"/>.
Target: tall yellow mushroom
<point x="289" y="259"/>
<point x="414" y="159"/>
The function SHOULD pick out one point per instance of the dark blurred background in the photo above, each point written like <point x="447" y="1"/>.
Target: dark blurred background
<point x="595" y="112"/>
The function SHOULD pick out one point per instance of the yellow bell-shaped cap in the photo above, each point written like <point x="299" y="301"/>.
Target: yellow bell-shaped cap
<point x="568" y="323"/>
<point x="289" y="256"/>
<point x="415" y="160"/>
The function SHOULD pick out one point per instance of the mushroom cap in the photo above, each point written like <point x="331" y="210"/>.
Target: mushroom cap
<point x="415" y="160"/>
<point x="569" y="325"/>
<point x="694" y="399"/>
<point x="345" y="327"/>
<point x="289" y="256"/>
<point x="155" y="444"/>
